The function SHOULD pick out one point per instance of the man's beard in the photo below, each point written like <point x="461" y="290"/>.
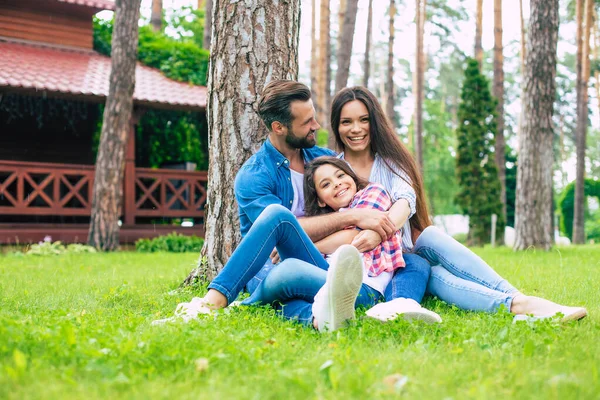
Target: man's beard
<point x="300" y="143"/>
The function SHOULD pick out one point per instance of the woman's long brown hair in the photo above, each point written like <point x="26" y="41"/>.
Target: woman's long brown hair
<point x="311" y="200"/>
<point x="385" y="143"/>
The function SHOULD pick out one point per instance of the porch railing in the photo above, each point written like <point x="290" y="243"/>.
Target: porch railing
<point x="47" y="189"/>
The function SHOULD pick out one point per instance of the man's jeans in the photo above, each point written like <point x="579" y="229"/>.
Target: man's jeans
<point x="303" y="270"/>
<point x="459" y="276"/>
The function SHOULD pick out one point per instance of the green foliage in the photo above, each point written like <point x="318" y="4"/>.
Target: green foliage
<point x="167" y="136"/>
<point x="566" y="203"/>
<point x="173" y="243"/>
<point x="479" y="194"/>
<point x="48" y="248"/>
<point x="439" y="144"/>
<point x="79" y="326"/>
<point x="322" y="136"/>
<point x="511" y="185"/>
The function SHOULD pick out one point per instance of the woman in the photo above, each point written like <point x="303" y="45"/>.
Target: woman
<point x="458" y="276"/>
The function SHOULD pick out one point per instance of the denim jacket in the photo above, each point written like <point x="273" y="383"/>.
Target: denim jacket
<point x="265" y="179"/>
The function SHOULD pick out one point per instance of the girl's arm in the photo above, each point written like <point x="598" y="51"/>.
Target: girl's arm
<point x="330" y="244"/>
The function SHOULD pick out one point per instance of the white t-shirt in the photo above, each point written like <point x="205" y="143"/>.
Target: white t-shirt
<point x="298" y="202"/>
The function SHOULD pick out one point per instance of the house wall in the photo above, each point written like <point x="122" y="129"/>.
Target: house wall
<point x="47" y="22"/>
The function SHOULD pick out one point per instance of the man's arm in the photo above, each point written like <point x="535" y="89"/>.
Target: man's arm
<point x="319" y="227"/>
<point x="330" y="244"/>
<point x="367" y="239"/>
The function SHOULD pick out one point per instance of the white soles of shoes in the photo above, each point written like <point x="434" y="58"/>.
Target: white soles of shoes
<point x="407" y="309"/>
<point x="334" y="303"/>
<point x="568" y="314"/>
<point x="186" y="311"/>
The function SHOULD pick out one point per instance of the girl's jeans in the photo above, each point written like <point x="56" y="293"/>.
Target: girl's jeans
<point x="303" y="270"/>
<point x="459" y="276"/>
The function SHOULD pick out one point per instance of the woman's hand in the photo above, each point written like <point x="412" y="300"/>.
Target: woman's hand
<point x="366" y="240"/>
<point x="274" y="257"/>
<point x="374" y="220"/>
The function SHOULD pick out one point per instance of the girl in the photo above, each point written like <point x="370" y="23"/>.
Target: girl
<point x="458" y="276"/>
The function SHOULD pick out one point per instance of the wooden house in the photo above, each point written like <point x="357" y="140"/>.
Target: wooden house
<point x="46" y="171"/>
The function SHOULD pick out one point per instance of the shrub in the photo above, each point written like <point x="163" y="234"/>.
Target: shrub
<point x="173" y="242"/>
<point x="48" y="248"/>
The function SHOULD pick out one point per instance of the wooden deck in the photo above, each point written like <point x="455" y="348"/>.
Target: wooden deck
<point x="29" y="190"/>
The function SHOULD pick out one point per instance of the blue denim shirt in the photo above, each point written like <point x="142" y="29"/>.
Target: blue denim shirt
<point x="265" y="179"/>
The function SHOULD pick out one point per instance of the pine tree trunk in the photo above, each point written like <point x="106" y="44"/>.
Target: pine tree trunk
<point x="498" y="92"/>
<point x="345" y="41"/>
<point x="389" y="85"/>
<point x="523" y="41"/>
<point x="240" y="67"/>
<point x="367" y="63"/>
<point x="156" y="17"/>
<point x="314" y="57"/>
<point x="419" y="81"/>
<point x="107" y="197"/>
<point x="583" y="74"/>
<point x="324" y="60"/>
<point x="534" y="177"/>
<point x="208" y="25"/>
<point x="478" y="31"/>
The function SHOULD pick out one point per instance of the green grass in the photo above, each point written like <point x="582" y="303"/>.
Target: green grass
<point x="78" y="326"/>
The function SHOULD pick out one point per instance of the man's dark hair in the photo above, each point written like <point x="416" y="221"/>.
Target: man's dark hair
<point x="276" y="100"/>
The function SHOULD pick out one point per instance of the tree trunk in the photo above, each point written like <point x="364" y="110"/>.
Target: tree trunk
<point x="523" y="49"/>
<point x="498" y="92"/>
<point x="345" y="41"/>
<point x="314" y="56"/>
<point x="583" y="74"/>
<point x="534" y="174"/>
<point x="367" y="64"/>
<point x="156" y="17"/>
<point x="208" y="25"/>
<point x="419" y="81"/>
<point x="324" y="60"/>
<point x="389" y="83"/>
<point x="341" y="16"/>
<point x="240" y="67"/>
<point x="107" y="198"/>
<point x="478" y="31"/>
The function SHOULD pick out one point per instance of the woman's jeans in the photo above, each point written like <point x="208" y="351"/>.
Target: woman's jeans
<point x="302" y="271"/>
<point x="459" y="276"/>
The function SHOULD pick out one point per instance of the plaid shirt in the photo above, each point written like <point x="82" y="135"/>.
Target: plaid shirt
<point x="388" y="255"/>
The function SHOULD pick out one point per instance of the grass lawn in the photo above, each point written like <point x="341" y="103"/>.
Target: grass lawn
<point x="78" y="326"/>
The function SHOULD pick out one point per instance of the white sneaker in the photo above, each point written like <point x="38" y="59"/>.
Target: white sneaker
<point x="408" y="309"/>
<point x="334" y="303"/>
<point x="569" y="314"/>
<point x="189" y="311"/>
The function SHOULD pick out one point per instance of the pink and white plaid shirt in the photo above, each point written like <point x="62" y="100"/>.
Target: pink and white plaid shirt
<point x="388" y="255"/>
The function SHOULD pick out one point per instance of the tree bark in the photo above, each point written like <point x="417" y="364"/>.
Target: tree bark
<point x="389" y="83"/>
<point x="253" y="44"/>
<point x="324" y="60"/>
<point x="367" y="63"/>
<point x="345" y="41"/>
<point x="534" y="174"/>
<point x="498" y="91"/>
<point x="478" y="31"/>
<point x="156" y="17"/>
<point x="583" y="74"/>
<point x="523" y="49"/>
<point x="107" y="198"/>
<point x="419" y="81"/>
<point x="208" y="25"/>
<point x="314" y="56"/>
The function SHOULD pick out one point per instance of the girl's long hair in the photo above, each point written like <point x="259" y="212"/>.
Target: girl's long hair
<point x="385" y="143"/>
<point x="311" y="200"/>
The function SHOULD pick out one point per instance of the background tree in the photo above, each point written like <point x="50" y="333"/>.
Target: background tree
<point x="498" y="91"/>
<point x="478" y="32"/>
<point x="234" y="88"/>
<point x="389" y="83"/>
<point x="345" y="40"/>
<point x="584" y="22"/>
<point x="110" y="162"/>
<point x="156" y="16"/>
<point x="534" y="177"/>
<point x="479" y="194"/>
<point x="207" y="22"/>
<point x="367" y="62"/>
<point x="421" y="6"/>
<point x="314" y="56"/>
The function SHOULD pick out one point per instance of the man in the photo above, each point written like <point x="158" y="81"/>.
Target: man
<point x="272" y="179"/>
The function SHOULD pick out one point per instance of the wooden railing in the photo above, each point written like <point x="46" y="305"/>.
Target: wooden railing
<point x="30" y="188"/>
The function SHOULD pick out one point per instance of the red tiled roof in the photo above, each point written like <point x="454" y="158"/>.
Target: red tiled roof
<point x="99" y="4"/>
<point x="86" y="73"/>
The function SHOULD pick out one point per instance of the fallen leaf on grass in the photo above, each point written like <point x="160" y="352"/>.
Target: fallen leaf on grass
<point x="201" y="364"/>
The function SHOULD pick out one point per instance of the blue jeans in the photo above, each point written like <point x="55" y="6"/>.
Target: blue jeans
<point x="291" y="286"/>
<point x="459" y="276"/>
<point x="275" y="227"/>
